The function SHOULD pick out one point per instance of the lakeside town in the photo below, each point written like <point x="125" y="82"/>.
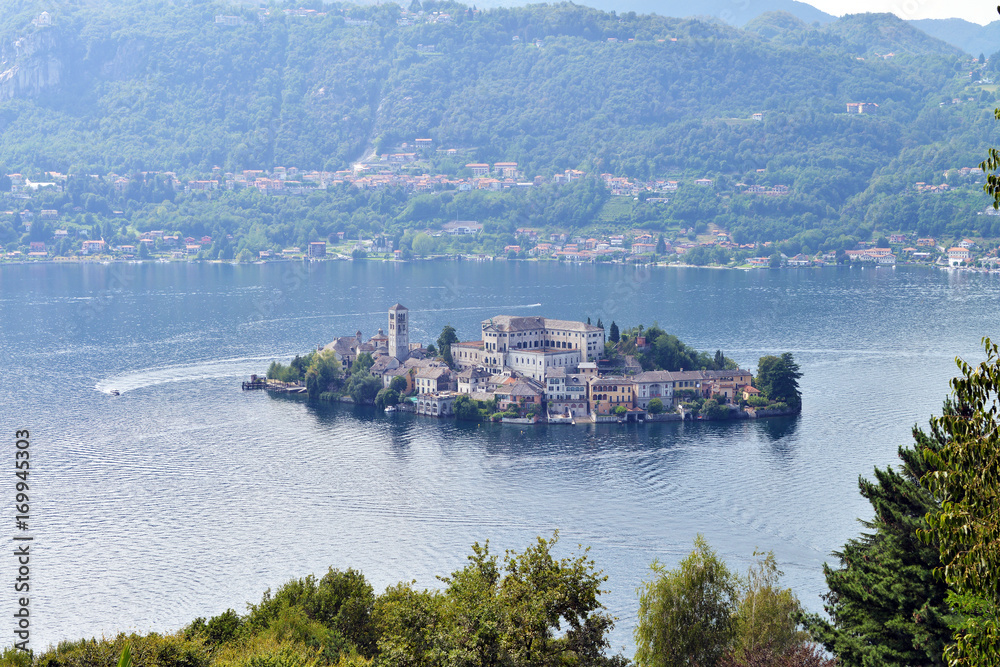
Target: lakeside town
<point x="529" y="370"/>
<point x="62" y="233"/>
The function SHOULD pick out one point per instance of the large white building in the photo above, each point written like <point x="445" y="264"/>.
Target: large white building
<point x="530" y="345"/>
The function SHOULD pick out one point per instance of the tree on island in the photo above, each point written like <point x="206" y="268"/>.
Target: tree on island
<point x="713" y="409"/>
<point x="613" y="333"/>
<point x="386" y="397"/>
<point x="778" y="379"/>
<point x="655" y="406"/>
<point x="363" y="387"/>
<point x="447" y="338"/>
<point x="398" y="384"/>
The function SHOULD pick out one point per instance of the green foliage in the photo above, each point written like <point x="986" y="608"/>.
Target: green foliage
<point x="219" y="629"/>
<point x="386" y="397"/>
<point x="444" y="342"/>
<point x="362" y="364"/>
<point x="990" y="165"/>
<point x="655" y="406"/>
<point x="703" y="614"/>
<point x="468" y="409"/>
<point x="886" y="604"/>
<point x="686" y="614"/>
<point x="332" y="614"/>
<point x="767" y="616"/>
<point x="152" y="650"/>
<point x="532" y="610"/>
<point x="963" y="479"/>
<point x="778" y="379"/>
<point x="613" y="334"/>
<point x="364" y="388"/>
<point x="620" y="410"/>
<point x="398" y="384"/>
<point x="320" y="370"/>
<point x="15" y="657"/>
<point x="712" y="409"/>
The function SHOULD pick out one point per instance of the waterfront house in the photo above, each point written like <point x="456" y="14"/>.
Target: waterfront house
<point x="654" y="384"/>
<point x="436" y="404"/>
<point x="726" y="384"/>
<point x="566" y="393"/>
<point x="519" y="392"/>
<point x="607" y="393"/>
<point x="958" y="256"/>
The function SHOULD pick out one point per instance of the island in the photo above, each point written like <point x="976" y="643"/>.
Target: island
<point x="532" y="369"/>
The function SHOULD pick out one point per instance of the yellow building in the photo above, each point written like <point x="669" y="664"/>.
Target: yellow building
<point x="607" y="393"/>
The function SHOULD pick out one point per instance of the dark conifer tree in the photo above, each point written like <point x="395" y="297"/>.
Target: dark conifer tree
<point x="887" y="606"/>
<point x="613" y="333"/>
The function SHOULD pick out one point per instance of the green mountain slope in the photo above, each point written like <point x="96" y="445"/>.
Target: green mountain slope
<point x="187" y="86"/>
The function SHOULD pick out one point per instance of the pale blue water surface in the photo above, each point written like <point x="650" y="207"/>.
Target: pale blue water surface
<point x="185" y="496"/>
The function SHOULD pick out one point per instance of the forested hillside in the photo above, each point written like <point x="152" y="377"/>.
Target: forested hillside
<point x="183" y="87"/>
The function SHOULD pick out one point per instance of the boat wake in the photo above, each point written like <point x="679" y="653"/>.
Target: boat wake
<point x="209" y="369"/>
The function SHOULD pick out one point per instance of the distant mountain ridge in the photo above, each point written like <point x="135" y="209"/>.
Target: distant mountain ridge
<point x="733" y="12"/>
<point x="970" y="37"/>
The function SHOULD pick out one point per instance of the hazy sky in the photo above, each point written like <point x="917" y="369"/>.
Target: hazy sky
<point x="977" y="11"/>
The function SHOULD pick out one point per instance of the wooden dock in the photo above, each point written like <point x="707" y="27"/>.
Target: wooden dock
<point x="258" y="382"/>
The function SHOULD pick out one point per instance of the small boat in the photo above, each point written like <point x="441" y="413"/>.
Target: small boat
<point x="115" y="392"/>
<point x="391" y="408"/>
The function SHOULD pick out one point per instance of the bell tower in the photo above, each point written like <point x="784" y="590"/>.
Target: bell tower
<point x="399" y="332"/>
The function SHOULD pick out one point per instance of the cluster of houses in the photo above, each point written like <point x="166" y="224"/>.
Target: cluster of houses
<point x="387" y="170"/>
<point x="542" y="368"/>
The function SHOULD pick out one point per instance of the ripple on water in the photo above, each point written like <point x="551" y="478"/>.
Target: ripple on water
<point x="185" y="496"/>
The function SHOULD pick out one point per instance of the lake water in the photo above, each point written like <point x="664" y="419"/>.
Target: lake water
<point x="185" y="496"/>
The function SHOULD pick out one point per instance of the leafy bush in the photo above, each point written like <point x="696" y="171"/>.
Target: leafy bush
<point x="385" y="398"/>
<point x="655" y="406"/>
<point x="152" y="650"/>
<point x="712" y="409"/>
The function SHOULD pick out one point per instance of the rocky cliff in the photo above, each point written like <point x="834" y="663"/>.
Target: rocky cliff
<point x="29" y="64"/>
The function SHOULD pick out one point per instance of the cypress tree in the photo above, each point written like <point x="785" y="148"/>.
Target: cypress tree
<point x="886" y="604"/>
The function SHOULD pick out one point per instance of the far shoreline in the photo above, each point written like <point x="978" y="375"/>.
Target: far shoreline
<point x="462" y="259"/>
